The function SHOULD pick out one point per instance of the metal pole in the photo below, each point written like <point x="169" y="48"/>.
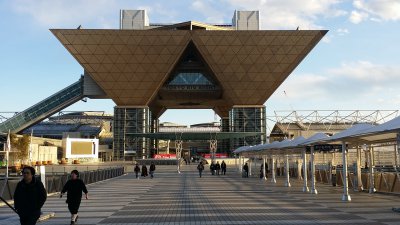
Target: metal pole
<point x="8" y="151"/>
<point x="250" y="164"/>
<point x="395" y="158"/>
<point x="371" y="171"/>
<point x="264" y="169"/>
<point x="213" y="149"/>
<point x="359" y="181"/>
<point x="299" y="165"/>
<point x="240" y="164"/>
<point x="287" y="184"/>
<point x="305" y="186"/>
<point x="346" y="196"/>
<point x="241" y="168"/>
<point x="30" y="149"/>
<point x="236" y="161"/>
<point x="273" y="180"/>
<point x="178" y="147"/>
<point x="7" y="158"/>
<point x="313" y="190"/>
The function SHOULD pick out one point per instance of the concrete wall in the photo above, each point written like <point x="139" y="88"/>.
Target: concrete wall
<point x="133" y="19"/>
<point x="44" y="153"/>
<point x="246" y="20"/>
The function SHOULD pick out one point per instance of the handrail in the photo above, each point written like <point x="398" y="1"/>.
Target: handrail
<point x="10" y="206"/>
<point x="44" y="108"/>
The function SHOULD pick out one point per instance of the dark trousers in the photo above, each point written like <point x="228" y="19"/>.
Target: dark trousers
<point x="223" y="171"/>
<point x="200" y="172"/>
<point x="73" y="207"/>
<point x="29" y="219"/>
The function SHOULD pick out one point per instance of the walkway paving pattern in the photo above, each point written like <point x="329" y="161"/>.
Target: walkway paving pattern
<point x="172" y="198"/>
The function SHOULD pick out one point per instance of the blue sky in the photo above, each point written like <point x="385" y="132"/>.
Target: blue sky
<point x="356" y="66"/>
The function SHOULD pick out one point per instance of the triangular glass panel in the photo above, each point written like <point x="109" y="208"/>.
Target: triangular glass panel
<point x="191" y="74"/>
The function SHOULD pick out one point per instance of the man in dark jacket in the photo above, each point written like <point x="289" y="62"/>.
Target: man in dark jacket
<point x="152" y="169"/>
<point x="223" y="167"/>
<point x="137" y="170"/>
<point x="29" y="197"/>
<point x="74" y="188"/>
<point x="200" y="168"/>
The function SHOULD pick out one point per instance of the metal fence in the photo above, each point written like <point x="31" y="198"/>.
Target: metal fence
<point x="55" y="183"/>
<point x="387" y="182"/>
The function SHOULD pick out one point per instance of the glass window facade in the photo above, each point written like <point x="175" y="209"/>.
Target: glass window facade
<point x="127" y="122"/>
<point x="190" y="78"/>
<point x="248" y="119"/>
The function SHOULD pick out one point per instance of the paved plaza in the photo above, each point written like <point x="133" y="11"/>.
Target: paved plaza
<point x="172" y="198"/>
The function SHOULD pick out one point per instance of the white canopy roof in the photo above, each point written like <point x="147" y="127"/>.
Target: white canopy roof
<point x="277" y="144"/>
<point x="314" y="139"/>
<point x="382" y="133"/>
<point x="358" y="133"/>
<point x="356" y="129"/>
<point x="293" y="143"/>
<point x="241" y="149"/>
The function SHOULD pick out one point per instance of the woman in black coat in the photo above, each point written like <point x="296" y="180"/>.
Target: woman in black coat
<point x="29" y="197"/>
<point x="74" y="188"/>
<point x="144" y="171"/>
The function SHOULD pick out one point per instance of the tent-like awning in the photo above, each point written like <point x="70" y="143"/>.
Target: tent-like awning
<point x="354" y="130"/>
<point x="241" y="149"/>
<point x="385" y="132"/>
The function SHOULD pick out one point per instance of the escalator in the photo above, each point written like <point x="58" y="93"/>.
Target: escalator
<point x="44" y="109"/>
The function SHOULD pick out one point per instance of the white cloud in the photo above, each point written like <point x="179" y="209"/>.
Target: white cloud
<point x="206" y="8"/>
<point x="342" y="31"/>
<point x="65" y="13"/>
<point x="359" y="84"/>
<point x="357" y="16"/>
<point x="89" y="14"/>
<point x="288" y="14"/>
<point x="378" y="10"/>
<point x="368" y="72"/>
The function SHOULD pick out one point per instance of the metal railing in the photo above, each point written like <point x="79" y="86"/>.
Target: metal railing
<point x="55" y="182"/>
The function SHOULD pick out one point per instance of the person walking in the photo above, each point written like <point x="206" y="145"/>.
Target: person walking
<point x="217" y="167"/>
<point x="74" y="188"/>
<point x="29" y="197"/>
<point x="246" y="171"/>
<point x="200" y="168"/>
<point x="212" y="168"/>
<point x="152" y="169"/>
<point x="144" y="171"/>
<point x="137" y="170"/>
<point x="223" y="167"/>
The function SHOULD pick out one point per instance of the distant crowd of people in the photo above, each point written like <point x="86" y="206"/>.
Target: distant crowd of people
<point x="215" y="169"/>
<point x="143" y="172"/>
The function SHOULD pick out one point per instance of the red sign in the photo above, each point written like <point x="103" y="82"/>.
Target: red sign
<point x="217" y="155"/>
<point x="165" y="156"/>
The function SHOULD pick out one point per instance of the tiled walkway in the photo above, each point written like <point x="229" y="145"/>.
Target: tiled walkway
<point x="172" y="198"/>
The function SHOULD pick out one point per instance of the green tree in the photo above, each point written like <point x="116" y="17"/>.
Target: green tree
<point x="20" y="146"/>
